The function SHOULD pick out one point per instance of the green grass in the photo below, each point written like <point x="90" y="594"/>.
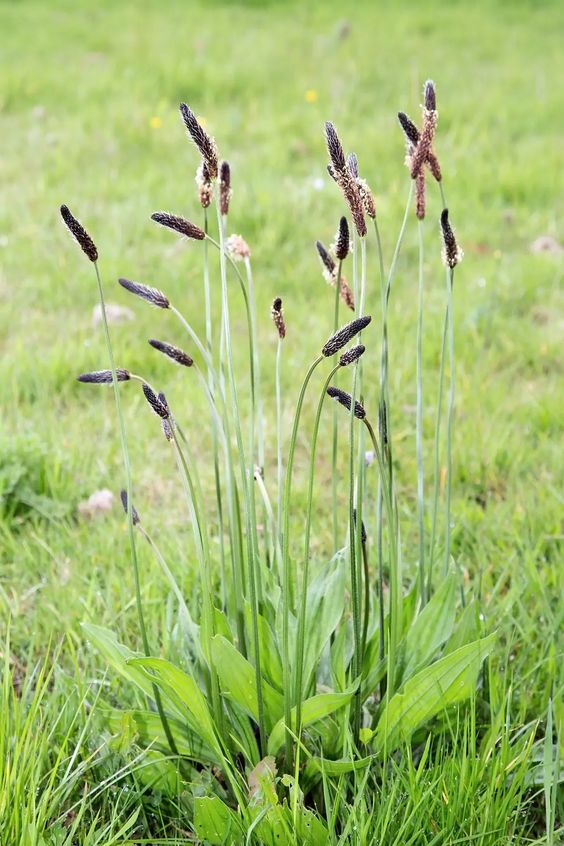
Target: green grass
<point x="82" y="87"/>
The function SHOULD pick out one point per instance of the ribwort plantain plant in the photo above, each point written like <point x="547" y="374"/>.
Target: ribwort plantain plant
<point x="308" y="670"/>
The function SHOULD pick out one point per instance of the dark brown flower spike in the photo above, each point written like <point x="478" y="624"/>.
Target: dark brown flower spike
<point x="167" y="430"/>
<point x="159" y="407"/>
<point x="352" y="355"/>
<point x="334" y="148"/>
<point x="331" y="275"/>
<point x="224" y="187"/>
<point x="345" y="400"/>
<point x="205" y="144"/>
<point x="327" y="262"/>
<point x="345" y="334"/>
<point x="342" y="240"/>
<point x="420" y="195"/>
<point x="430" y="118"/>
<point x="79" y="234"/>
<point x="174" y="353"/>
<point x="104" y="377"/>
<point x="151" y="295"/>
<point x="277" y="313"/>
<point x="179" y="224"/>
<point x="352" y="162"/>
<point x="409" y="130"/>
<point x="341" y="173"/>
<point x="134" y="514"/>
<point x="412" y="139"/>
<point x="430" y="96"/>
<point x="452" y="254"/>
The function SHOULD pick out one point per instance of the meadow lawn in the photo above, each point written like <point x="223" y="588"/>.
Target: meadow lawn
<point x="89" y="117"/>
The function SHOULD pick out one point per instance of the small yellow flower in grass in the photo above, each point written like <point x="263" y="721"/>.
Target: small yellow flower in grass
<point x="155" y="122"/>
<point x="311" y="95"/>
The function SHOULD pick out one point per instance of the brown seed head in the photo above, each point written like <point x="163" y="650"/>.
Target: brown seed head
<point x="412" y="139"/>
<point x="179" y="224"/>
<point x="204" y="184"/>
<point x="352" y="355"/>
<point x="352" y="162"/>
<point x="367" y="198"/>
<point x="159" y="407"/>
<point x="423" y="148"/>
<point x="167" y="429"/>
<point x="224" y="187"/>
<point x="342" y="240"/>
<point x="329" y="267"/>
<point x="334" y="147"/>
<point x="345" y="334"/>
<point x="409" y="130"/>
<point x="174" y="353"/>
<point x="80" y="234"/>
<point x="452" y="254"/>
<point x="152" y="295"/>
<point x="277" y="313"/>
<point x="430" y="96"/>
<point x="420" y="194"/>
<point x="341" y="173"/>
<point x="346" y="294"/>
<point x="104" y="377"/>
<point x="205" y="144"/>
<point x="434" y="166"/>
<point x="345" y="400"/>
<point x="134" y="514"/>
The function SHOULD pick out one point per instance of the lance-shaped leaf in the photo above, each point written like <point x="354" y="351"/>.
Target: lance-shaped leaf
<point x="237" y="680"/>
<point x="313" y="710"/>
<point x="447" y="681"/>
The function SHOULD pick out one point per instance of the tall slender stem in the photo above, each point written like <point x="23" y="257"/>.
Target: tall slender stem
<point x="305" y="571"/>
<point x="286" y="582"/>
<point x="437" y="448"/>
<point x="279" y="444"/>
<point x="129" y="488"/>
<point x="450" y="415"/>
<point x="335" y="433"/>
<point x="419" y="423"/>
<point x="251" y="529"/>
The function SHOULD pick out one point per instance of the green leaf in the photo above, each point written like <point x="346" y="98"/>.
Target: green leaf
<point x="325" y="607"/>
<point x="313" y="709"/>
<point x="467" y="629"/>
<point x="448" y="680"/>
<point x="431" y="628"/>
<point x="173" y="679"/>
<point x="238" y="682"/>
<point x="271" y="664"/>
<point x="215" y="822"/>
<point x="117" y="655"/>
<point x="146" y="726"/>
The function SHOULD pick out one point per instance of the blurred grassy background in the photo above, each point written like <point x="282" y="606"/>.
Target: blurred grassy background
<point x="89" y="117"/>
